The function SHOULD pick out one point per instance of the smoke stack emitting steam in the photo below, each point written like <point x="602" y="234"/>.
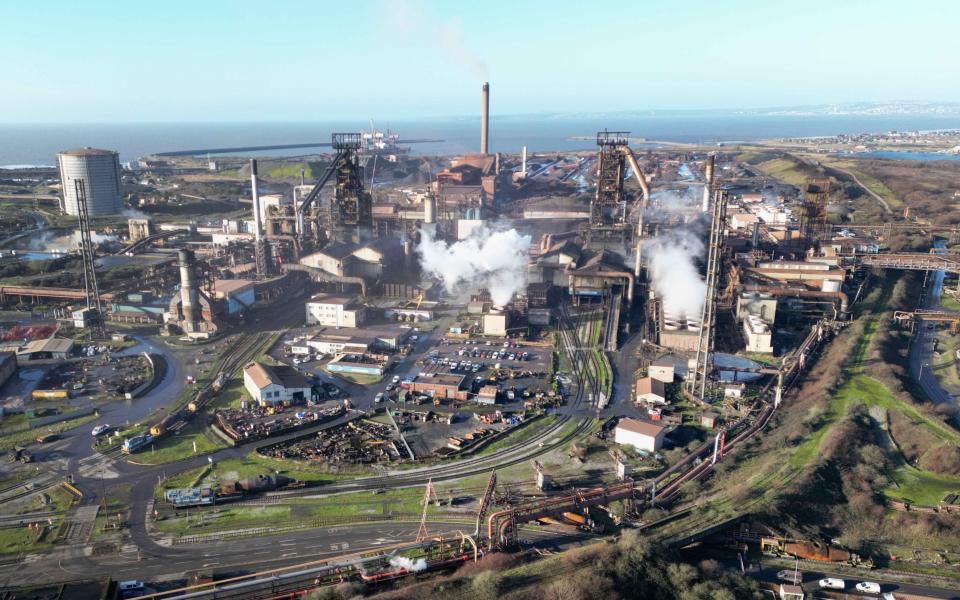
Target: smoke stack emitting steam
<point x="673" y="268"/>
<point x="494" y="260"/>
<point x="485" y="120"/>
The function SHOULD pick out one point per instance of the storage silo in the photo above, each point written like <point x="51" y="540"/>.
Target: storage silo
<point x="100" y="171"/>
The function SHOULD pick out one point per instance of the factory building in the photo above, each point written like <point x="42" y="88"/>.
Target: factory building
<point x="763" y="306"/>
<point x="238" y="294"/>
<point x="334" y="311"/>
<point x="100" y="172"/>
<point x="758" y="335"/>
<point x="662" y="369"/>
<point x="347" y="259"/>
<point x="642" y="435"/>
<point x="140" y="229"/>
<point x="440" y="385"/>
<point x="496" y="323"/>
<point x="271" y="385"/>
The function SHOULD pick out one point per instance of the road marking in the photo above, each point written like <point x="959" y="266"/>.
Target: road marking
<point x="288" y="555"/>
<point x="213" y="564"/>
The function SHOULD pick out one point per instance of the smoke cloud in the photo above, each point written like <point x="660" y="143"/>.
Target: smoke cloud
<point x="48" y="242"/>
<point x="405" y="563"/>
<point x="408" y="19"/>
<point x="495" y="260"/>
<point x="673" y="268"/>
<point x="132" y="213"/>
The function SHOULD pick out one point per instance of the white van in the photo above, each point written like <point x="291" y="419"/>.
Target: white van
<point x="832" y="583"/>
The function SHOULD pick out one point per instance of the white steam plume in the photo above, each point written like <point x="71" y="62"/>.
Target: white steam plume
<point x="405" y="563"/>
<point x="406" y="18"/>
<point x="132" y="213"/>
<point x="495" y="260"/>
<point x="673" y="269"/>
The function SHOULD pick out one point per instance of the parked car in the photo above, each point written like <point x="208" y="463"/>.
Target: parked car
<point x="790" y="576"/>
<point x="396" y="379"/>
<point x="47" y="438"/>
<point x="868" y="587"/>
<point x="832" y="583"/>
<point x="378" y="398"/>
<point x="100" y="430"/>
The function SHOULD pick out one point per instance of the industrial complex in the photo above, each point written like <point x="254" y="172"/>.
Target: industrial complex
<point x="252" y="377"/>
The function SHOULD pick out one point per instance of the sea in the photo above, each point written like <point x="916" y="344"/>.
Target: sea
<point x="26" y="144"/>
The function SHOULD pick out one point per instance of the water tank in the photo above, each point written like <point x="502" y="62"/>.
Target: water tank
<point x="830" y="285"/>
<point x="100" y="172"/>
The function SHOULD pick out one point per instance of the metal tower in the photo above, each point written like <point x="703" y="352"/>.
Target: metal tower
<point x="351" y="206"/>
<point x="813" y="219"/>
<point x="95" y="314"/>
<point x="430" y="493"/>
<point x="697" y="386"/>
<point x="608" y="208"/>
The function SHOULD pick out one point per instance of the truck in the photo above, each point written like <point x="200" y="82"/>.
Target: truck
<point x="790" y="576"/>
<point x="135" y="443"/>
<point x="59" y="394"/>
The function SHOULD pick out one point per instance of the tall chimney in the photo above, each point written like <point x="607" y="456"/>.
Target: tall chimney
<point x="485" y="121"/>
<point x="708" y="185"/>
<point x="523" y="169"/>
<point x="188" y="287"/>
<point x="257" y="217"/>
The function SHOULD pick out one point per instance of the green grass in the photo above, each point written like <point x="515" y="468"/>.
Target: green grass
<point x="948" y="302"/>
<point x="518" y="436"/>
<point x="921" y="487"/>
<point x="785" y="170"/>
<point x="178" y="446"/>
<point x="22" y="438"/>
<point x="15" y="540"/>
<point x="225" y="517"/>
<point x="291" y="171"/>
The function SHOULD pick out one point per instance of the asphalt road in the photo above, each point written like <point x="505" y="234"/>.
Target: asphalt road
<point x="921" y="351"/>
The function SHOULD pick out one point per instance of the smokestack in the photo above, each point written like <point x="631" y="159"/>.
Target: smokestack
<point x="188" y="287"/>
<point x="485" y="121"/>
<point x="755" y="241"/>
<point x="708" y="186"/>
<point x="429" y="209"/>
<point x="523" y="169"/>
<point x="257" y="218"/>
<point x="303" y="179"/>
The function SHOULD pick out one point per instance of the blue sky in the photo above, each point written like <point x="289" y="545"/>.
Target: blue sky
<point x="207" y="60"/>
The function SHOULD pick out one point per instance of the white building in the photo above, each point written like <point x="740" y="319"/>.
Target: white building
<point x="758" y="334"/>
<point x="334" y="311"/>
<point x="650" y="390"/>
<point x="275" y="384"/>
<point x="662" y="369"/>
<point x="642" y="435"/>
<point x="773" y="216"/>
<point x="495" y="324"/>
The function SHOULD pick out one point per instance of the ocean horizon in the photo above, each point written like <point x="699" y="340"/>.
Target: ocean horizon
<point x="37" y="144"/>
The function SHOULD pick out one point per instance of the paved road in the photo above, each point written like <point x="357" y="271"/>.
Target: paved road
<point x="921" y="351"/>
<point x="811" y="578"/>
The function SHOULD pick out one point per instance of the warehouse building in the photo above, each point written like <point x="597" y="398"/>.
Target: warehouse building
<point x="271" y="385"/>
<point x="238" y="294"/>
<point x="650" y="390"/>
<point x="642" y="435"/>
<point x="440" y="385"/>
